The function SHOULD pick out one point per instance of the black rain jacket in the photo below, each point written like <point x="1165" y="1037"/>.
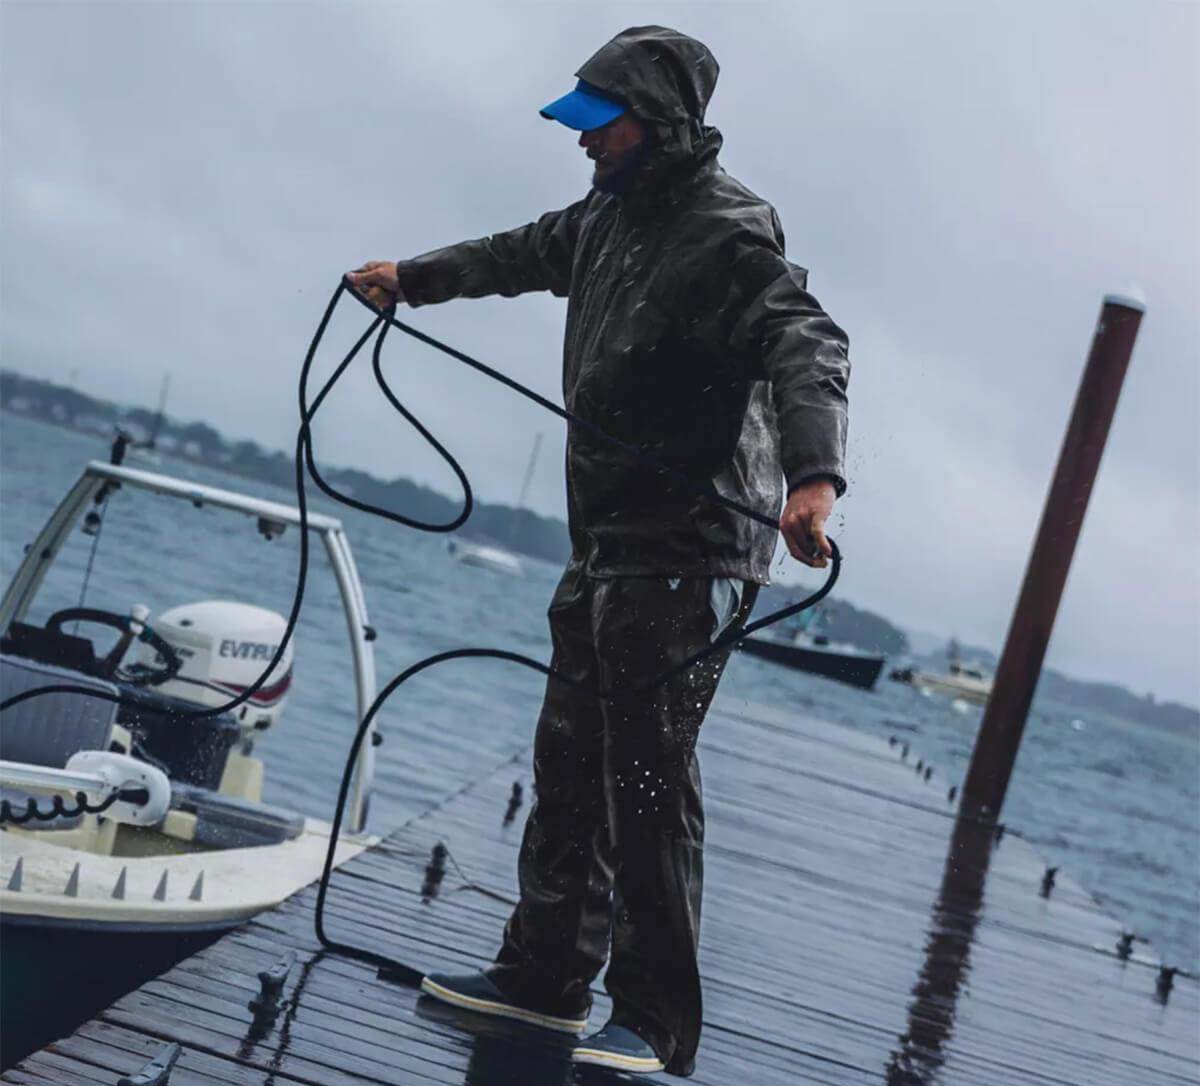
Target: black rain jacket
<point x="688" y="334"/>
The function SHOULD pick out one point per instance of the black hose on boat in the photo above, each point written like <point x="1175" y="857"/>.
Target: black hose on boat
<point x="58" y="809"/>
<point x="305" y="459"/>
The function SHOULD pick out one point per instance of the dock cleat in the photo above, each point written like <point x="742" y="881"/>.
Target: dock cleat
<point x="617" y="1047"/>
<point x="477" y="992"/>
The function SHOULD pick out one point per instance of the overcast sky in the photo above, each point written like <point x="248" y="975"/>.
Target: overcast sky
<point x="183" y="183"/>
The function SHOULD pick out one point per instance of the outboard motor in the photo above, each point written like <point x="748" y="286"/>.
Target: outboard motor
<point x="224" y="647"/>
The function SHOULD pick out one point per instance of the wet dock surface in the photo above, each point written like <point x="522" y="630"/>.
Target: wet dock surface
<point x="854" y="932"/>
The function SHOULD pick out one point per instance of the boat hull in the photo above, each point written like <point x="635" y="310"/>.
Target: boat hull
<point x="860" y="671"/>
<point x="494" y="558"/>
<point x="55" y="977"/>
<point x="66" y="956"/>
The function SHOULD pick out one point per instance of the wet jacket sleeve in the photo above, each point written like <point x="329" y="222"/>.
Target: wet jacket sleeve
<point x="791" y="341"/>
<point x="534" y="257"/>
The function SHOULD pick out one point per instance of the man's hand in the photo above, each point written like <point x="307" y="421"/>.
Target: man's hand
<point x="803" y="522"/>
<point x="376" y="281"/>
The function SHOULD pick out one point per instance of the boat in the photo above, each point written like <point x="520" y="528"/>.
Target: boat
<point x="132" y="835"/>
<point x="485" y="556"/>
<point x="494" y="556"/>
<point x="801" y="645"/>
<point x="963" y="681"/>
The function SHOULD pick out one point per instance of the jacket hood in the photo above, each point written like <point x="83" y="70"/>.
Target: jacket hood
<point x="667" y="80"/>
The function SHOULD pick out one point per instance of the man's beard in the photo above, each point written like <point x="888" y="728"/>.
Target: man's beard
<point x="619" y="180"/>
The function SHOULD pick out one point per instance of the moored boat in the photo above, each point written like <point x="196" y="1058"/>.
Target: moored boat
<point x="962" y="680"/>
<point x="133" y="833"/>
<point x="497" y="559"/>
<point x="966" y="681"/>
<point x="801" y="643"/>
<point x="834" y="660"/>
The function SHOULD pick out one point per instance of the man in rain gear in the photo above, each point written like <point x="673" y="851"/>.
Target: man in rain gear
<point x="690" y="336"/>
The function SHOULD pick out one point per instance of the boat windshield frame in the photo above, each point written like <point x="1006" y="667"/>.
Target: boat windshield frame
<point x="41" y="553"/>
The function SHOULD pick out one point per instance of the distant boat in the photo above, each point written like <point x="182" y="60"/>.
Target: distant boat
<point x="480" y="554"/>
<point x="814" y="652"/>
<point x="492" y="555"/>
<point x="966" y="681"/>
<point x="843" y="662"/>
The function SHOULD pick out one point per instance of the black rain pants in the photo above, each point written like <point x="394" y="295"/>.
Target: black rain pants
<point x="614" y="839"/>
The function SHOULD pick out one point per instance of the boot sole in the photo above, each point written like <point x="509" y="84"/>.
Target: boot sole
<point x="599" y="1058"/>
<point x="574" y="1026"/>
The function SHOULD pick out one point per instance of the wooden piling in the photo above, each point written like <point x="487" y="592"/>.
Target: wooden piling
<point x="1020" y="666"/>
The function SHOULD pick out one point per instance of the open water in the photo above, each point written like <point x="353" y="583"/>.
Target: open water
<point x="1112" y="802"/>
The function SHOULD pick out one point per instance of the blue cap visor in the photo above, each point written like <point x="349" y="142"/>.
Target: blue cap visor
<point x="583" y="109"/>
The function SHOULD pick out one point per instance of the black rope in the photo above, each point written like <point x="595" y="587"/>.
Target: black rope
<point x="395" y="970"/>
<point x="305" y="459"/>
<point x="87" y="573"/>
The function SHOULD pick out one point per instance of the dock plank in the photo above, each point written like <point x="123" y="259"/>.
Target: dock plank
<point x="49" y="1069"/>
<point x="117" y="1048"/>
<point x="840" y="947"/>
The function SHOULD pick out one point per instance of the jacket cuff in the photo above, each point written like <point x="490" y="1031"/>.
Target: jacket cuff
<point x="408" y="280"/>
<point x="834" y="477"/>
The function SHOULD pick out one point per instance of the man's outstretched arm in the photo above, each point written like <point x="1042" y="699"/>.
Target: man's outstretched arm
<point x="538" y="256"/>
<point x="804" y="354"/>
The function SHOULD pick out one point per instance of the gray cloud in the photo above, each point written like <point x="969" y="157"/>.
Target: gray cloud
<point x="182" y="184"/>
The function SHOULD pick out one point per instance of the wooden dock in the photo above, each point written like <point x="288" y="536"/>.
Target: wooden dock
<point x="839" y="947"/>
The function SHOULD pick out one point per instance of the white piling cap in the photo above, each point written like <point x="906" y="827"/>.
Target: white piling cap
<point x="1131" y="298"/>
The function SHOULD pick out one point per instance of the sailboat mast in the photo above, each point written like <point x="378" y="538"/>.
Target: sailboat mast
<point x="512" y="528"/>
<point x="537" y="445"/>
<point x="158" y="418"/>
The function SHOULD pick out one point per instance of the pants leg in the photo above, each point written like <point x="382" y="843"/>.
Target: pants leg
<point x="653" y="800"/>
<point x="556" y="940"/>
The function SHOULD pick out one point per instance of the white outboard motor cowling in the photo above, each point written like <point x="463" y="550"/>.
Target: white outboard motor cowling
<point x="224" y="646"/>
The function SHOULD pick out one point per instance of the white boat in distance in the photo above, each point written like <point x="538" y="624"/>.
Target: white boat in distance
<point x="963" y="681"/>
<point x="487" y="557"/>
<point x="491" y="555"/>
